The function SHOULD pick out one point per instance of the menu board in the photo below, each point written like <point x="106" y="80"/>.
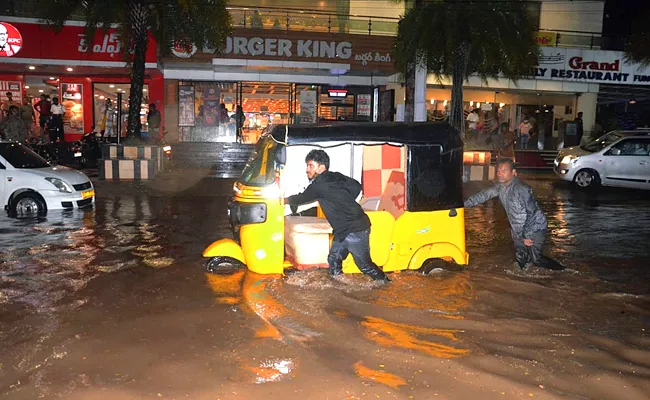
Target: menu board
<point x="307" y="106"/>
<point x="363" y="105"/>
<point x="72" y="101"/>
<point x="186" y="106"/>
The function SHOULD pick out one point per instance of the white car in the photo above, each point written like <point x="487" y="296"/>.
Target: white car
<point x="31" y="186"/>
<point x="618" y="158"/>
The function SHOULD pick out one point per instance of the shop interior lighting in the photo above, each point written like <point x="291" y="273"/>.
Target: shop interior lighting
<point x="101" y="97"/>
<point x="40" y="90"/>
<point x="26" y="87"/>
<point x="52" y="78"/>
<point x="478" y="105"/>
<point x="111" y="86"/>
<point x="96" y="95"/>
<point x="144" y="90"/>
<point x="32" y="67"/>
<point x="432" y="101"/>
<point x="119" y="90"/>
<point x="633" y="101"/>
<point x="444" y="103"/>
<point x="502" y="105"/>
<point x="471" y="104"/>
<point x="69" y="69"/>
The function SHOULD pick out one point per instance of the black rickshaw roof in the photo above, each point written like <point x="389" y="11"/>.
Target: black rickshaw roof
<point x="417" y="133"/>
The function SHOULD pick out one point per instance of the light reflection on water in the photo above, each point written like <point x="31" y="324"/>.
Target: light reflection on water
<point x="440" y="316"/>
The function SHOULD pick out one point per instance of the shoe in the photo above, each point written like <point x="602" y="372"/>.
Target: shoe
<point x="383" y="279"/>
<point x="335" y="274"/>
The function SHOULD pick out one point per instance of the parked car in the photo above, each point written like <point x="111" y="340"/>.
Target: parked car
<point x="618" y="158"/>
<point x="29" y="185"/>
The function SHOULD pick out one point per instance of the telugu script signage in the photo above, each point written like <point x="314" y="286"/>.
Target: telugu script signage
<point x="40" y="42"/>
<point x="589" y="66"/>
<point x="360" y="51"/>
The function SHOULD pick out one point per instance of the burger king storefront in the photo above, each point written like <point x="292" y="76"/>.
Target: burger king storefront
<point x="268" y="76"/>
<point x="90" y="79"/>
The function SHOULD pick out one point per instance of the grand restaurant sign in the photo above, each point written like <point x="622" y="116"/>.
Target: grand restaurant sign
<point x="360" y="51"/>
<point x="589" y="66"/>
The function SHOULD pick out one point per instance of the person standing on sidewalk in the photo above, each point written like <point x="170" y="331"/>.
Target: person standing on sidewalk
<point x="44" y="113"/>
<point x="524" y="133"/>
<point x="527" y="222"/>
<point x="58" y="112"/>
<point x="336" y="194"/>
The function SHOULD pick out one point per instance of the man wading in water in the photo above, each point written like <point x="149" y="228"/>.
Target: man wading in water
<point x="527" y="222"/>
<point x="336" y="194"/>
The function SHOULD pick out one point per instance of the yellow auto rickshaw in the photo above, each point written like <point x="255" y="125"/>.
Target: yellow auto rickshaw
<point x="411" y="176"/>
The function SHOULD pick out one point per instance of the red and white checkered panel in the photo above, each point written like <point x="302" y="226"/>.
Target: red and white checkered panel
<point x="378" y="164"/>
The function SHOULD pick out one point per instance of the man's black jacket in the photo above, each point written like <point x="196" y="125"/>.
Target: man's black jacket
<point x="336" y="194"/>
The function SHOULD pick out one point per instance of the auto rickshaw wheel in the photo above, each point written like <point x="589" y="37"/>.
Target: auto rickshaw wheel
<point x="223" y="265"/>
<point x="438" y="263"/>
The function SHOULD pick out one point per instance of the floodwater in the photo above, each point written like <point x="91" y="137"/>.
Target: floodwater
<point x="114" y="303"/>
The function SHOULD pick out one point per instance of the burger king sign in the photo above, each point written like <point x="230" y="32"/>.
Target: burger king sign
<point x="10" y="40"/>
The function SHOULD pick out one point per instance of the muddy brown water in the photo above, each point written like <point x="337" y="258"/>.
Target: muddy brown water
<point x="114" y="303"/>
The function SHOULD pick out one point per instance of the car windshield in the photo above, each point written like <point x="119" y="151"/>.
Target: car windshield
<point x="602" y="142"/>
<point x="20" y="156"/>
<point x="262" y="164"/>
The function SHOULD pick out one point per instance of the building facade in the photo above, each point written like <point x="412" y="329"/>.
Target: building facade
<point x="87" y="76"/>
<point x="297" y="61"/>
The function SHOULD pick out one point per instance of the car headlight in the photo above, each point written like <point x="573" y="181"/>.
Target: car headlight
<point x="569" y="159"/>
<point x="60" y="184"/>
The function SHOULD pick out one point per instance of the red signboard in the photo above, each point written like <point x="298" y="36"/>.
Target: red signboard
<point x="41" y="42"/>
<point x="13" y="87"/>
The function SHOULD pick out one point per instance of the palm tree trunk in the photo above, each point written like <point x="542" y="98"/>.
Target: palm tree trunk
<point x="409" y="98"/>
<point x="139" y="17"/>
<point x="456" y="115"/>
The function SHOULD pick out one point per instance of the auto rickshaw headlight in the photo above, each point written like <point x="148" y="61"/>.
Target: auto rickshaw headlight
<point x="271" y="192"/>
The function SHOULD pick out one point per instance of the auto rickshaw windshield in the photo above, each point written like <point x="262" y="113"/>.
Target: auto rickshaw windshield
<point x="264" y="162"/>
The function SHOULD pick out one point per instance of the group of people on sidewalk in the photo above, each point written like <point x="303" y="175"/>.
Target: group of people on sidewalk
<point x="18" y="121"/>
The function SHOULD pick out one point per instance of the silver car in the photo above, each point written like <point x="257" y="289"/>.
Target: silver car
<point x="618" y="158"/>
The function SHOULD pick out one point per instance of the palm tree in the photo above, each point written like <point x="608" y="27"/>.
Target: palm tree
<point x="637" y="45"/>
<point x="204" y="23"/>
<point x="459" y="38"/>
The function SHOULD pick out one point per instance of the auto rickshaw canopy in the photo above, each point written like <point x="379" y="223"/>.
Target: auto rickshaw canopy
<point x="418" y="133"/>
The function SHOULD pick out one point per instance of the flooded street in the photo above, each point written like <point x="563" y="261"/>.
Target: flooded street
<point x="114" y="303"/>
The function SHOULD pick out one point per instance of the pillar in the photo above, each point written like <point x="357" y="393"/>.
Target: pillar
<point x="420" y="100"/>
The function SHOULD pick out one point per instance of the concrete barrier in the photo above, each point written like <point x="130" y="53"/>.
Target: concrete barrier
<point x="475" y="173"/>
<point x="138" y="162"/>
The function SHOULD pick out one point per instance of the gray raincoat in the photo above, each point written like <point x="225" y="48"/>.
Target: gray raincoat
<point x="524" y="214"/>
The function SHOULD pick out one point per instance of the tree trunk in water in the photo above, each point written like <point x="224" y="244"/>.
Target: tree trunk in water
<point x="456" y="115"/>
<point x="139" y="16"/>
<point x="409" y="98"/>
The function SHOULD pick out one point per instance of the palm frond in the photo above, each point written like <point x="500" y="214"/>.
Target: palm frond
<point x="500" y="36"/>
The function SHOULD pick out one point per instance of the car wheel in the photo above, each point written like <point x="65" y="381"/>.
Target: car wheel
<point x="223" y="265"/>
<point x="586" y="178"/>
<point x="28" y="204"/>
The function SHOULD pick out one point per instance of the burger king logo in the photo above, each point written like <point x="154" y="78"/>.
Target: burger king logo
<point x="10" y="40"/>
<point x="183" y="49"/>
